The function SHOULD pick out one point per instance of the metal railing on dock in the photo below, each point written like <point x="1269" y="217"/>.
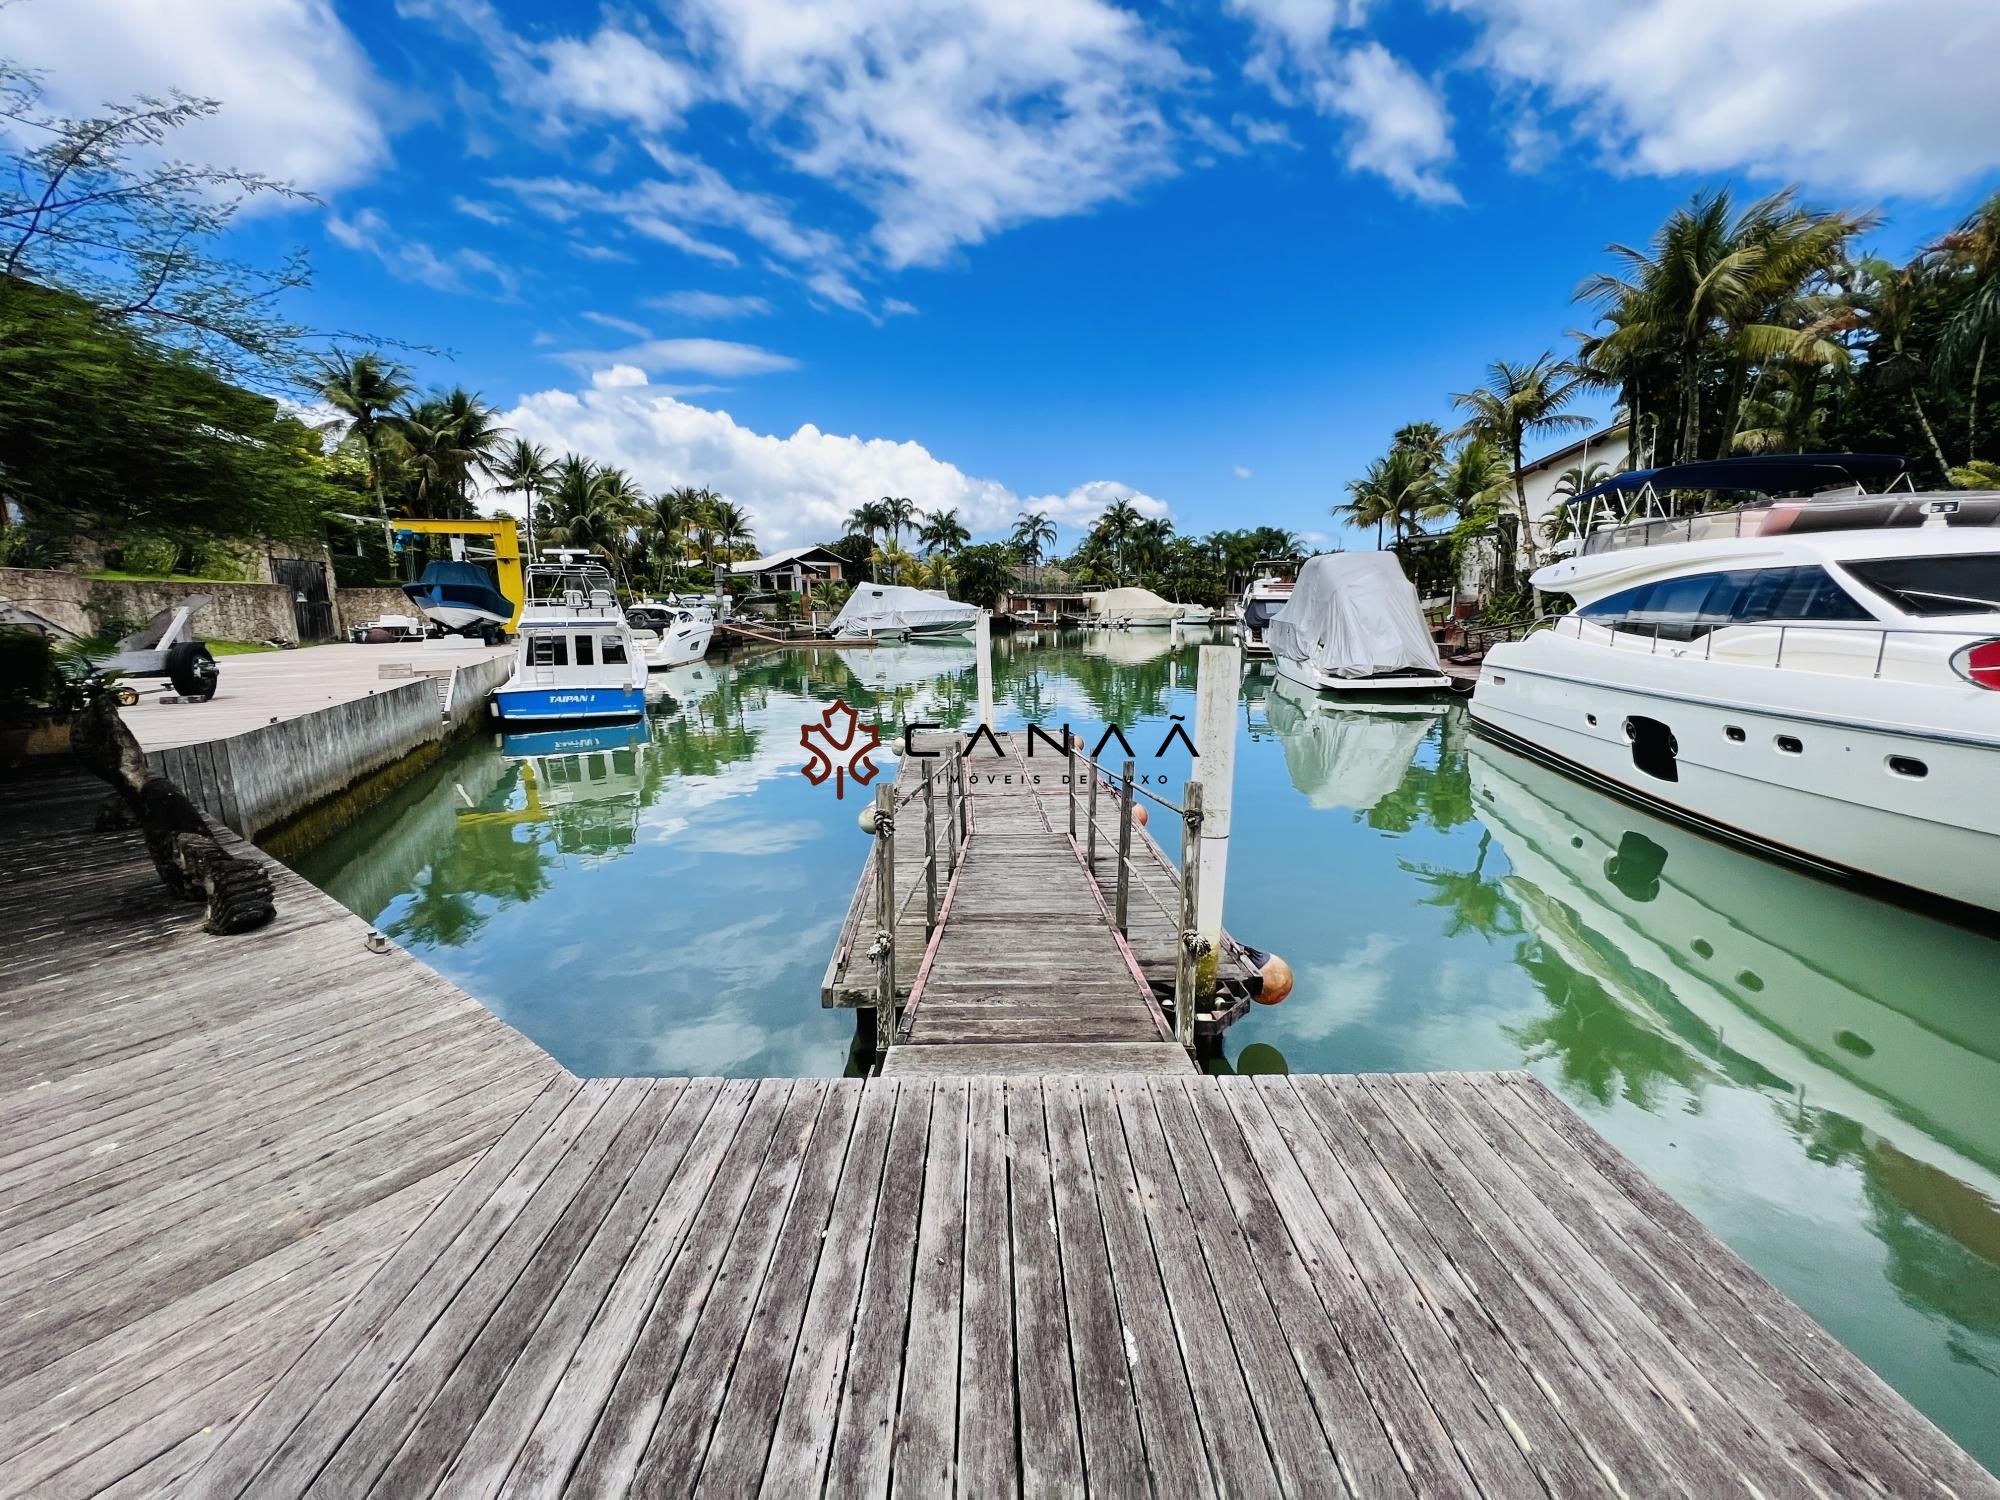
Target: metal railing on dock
<point x="889" y="911"/>
<point x="1190" y="947"/>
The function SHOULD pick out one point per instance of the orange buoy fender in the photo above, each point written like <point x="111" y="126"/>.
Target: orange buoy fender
<point x="1139" y="813"/>
<point x="1277" y="977"/>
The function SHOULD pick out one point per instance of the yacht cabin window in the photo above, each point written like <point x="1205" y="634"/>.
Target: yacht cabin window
<point x="545" y="650"/>
<point x="1966" y="584"/>
<point x="584" y="651"/>
<point x="614" y="651"/>
<point x="1687" y="608"/>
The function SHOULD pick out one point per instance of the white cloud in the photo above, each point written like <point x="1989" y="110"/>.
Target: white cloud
<point x="300" y="100"/>
<point x="614" y="376"/>
<point x="709" y="306"/>
<point x="1394" y="123"/>
<point x="486" y="213"/>
<point x="702" y="356"/>
<point x="619" y="325"/>
<point x="464" y="271"/>
<point x="798" y="488"/>
<point x="1241" y="472"/>
<point x="1263" y="132"/>
<point x="896" y="307"/>
<point x="1692" y="85"/>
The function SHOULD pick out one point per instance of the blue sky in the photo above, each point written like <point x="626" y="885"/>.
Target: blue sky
<point x="994" y="255"/>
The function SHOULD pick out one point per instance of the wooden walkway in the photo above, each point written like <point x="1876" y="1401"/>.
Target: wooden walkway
<point x="278" y="1215"/>
<point x="1025" y="971"/>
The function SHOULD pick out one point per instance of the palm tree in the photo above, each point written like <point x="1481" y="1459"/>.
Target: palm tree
<point x="1890" y="297"/>
<point x="1972" y="252"/>
<point x="526" y="470"/>
<point x="1116" y="526"/>
<point x="1711" y="296"/>
<point x="1397" y="489"/>
<point x="364" y="389"/>
<point x="1034" y="534"/>
<point x="1517" y="401"/>
<point x="869" y="519"/>
<point x="477" y="440"/>
<point x="731" y="525"/>
<point x="942" y="531"/>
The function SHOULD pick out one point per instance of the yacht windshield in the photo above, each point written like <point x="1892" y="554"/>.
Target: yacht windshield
<point x="1966" y="584"/>
<point x="1688" y="607"/>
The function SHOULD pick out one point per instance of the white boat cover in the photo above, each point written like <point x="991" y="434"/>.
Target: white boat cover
<point x="884" y="606"/>
<point x="1354" y="614"/>
<point x="1137" y="605"/>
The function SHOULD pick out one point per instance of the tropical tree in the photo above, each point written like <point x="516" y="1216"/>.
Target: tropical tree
<point x="1034" y="535"/>
<point x="870" y="520"/>
<point x="527" y="470"/>
<point x="1115" y="527"/>
<point x="365" y="389"/>
<point x="730" y="526"/>
<point x="1397" y="489"/>
<point x="1970" y="255"/>
<point x="942" y="532"/>
<point x="1891" y="298"/>
<point x="899" y="513"/>
<point x="1519" y="401"/>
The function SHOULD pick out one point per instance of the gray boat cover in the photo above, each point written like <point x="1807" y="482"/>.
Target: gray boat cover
<point x="1354" y="614"/>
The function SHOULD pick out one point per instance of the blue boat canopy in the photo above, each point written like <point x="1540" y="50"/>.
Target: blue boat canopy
<point x="461" y="584"/>
<point x="1764" y="473"/>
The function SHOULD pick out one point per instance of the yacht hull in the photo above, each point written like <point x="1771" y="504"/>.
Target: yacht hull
<point x="680" y="647"/>
<point x="1737" y="760"/>
<point x="561" y="705"/>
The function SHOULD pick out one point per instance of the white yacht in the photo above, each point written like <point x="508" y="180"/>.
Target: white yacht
<point x="575" y="658"/>
<point x="670" y="634"/>
<point x="1269" y="587"/>
<point x="888" y="611"/>
<point x="1353" y="625"/>
<point x="1817" y="678"/>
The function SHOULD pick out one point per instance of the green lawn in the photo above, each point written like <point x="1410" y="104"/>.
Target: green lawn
<point x="238" y="648"/>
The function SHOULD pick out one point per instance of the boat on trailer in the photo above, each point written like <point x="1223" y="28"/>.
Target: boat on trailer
<point x="1816" y="677"/>
<point x="575" y="658"/>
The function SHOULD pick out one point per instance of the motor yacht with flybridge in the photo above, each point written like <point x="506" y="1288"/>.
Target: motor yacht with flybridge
<point x="1817" y="677"/>
<point x="575" y="659"/>
<point x="670" y="634"/>
<point x="1269" y="587"/>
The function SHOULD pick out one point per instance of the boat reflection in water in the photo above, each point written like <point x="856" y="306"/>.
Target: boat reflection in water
<point x="1783" y="983"/>
<point x="1347" y="752"/>
<point x="586" y="786"/>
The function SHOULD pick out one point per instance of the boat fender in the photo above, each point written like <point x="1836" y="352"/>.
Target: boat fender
<point x="1139" y="814"/>
<point x="1274" y="976"/>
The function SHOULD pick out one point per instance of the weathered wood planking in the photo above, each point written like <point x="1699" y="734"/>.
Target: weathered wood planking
<point x="280" y="1216"/>
<point x="207" y="1145"/>
<point x="1117" y="1285"/>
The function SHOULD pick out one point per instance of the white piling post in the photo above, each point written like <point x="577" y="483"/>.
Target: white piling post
<point x="1216" y="692"/>
<point x="982" y="646"/>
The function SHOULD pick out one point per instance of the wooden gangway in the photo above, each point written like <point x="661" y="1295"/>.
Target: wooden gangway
<point x="280" y="1214"/>
<point x="1036" y="924"/>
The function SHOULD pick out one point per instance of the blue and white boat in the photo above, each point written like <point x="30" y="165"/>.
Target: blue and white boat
<point x="575" y="660"/>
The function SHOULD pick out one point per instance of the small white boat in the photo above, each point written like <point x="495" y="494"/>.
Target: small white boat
<point x="889" y="611"/>
<point x="1351" y="624"/>
<point x="1132" y="609"/>
<point x="1818" y="679"/>
<point x="575" y="659"/>
<point x="1195" y="614"/>
<point x="670" y="635"/>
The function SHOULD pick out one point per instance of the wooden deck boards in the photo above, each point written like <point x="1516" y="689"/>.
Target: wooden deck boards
<point x="280" y="1216"/>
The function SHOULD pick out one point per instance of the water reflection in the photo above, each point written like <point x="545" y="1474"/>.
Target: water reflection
<point x="1723" y="967"/>
<point x="1342" y="753"/>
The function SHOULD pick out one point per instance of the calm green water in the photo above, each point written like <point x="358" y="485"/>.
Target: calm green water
<point x="1816" y="1075"/>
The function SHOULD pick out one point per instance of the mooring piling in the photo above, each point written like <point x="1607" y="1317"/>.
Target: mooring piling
<point x="1216" y="692"/>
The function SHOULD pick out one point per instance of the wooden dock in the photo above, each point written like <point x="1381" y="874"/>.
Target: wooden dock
<point x="1018" y="963"/>
<point x="279" y="1214"/>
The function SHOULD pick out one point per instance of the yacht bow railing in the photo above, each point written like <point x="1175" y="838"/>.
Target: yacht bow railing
<point x="1649" y="632"/>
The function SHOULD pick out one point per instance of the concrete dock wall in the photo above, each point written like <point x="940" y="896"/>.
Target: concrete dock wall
<point x="266" y="777"/>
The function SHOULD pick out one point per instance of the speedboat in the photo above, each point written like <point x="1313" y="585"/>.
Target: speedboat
<point x="1269" y="587"/>
<point x="1352" y="624"/>
<point x="1816" y="678"/>
<point x="461" y="598"/>
<point x="889" y="611"/>
<point x="575" y="659"/>
<point x="670" y="635"/>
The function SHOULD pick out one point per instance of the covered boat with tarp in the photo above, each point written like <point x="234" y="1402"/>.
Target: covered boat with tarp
<point x="1132" y="609"/>
<point x="892" y="610"/>
<point x="1353" y="625"/>
<point x="461" y="598"/>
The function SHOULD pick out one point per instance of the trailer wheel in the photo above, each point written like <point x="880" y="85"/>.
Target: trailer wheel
<point x="192" y="670"/>
<point x="125" y="697"/>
